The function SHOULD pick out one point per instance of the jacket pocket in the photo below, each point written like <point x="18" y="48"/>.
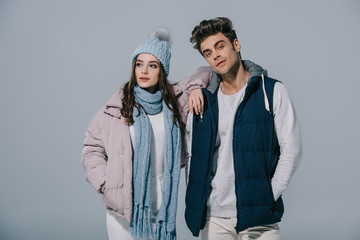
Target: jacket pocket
<point x="113" y="199"/>
<point x="115" y="172"/>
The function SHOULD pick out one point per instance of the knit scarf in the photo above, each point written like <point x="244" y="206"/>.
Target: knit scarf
<point x="140" y="225"/>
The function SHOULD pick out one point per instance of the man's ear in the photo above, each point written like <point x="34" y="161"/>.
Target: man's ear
<point x="236" y="45"/>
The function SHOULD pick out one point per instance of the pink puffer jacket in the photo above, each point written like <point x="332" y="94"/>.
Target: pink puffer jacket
<point x="107" y="153"/>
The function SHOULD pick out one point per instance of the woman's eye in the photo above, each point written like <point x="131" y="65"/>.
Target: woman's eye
<point x="138" y="64"/>
<point x="153" y="66"/>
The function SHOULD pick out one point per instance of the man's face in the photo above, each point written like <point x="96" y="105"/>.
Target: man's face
<point x="221" y="55"/>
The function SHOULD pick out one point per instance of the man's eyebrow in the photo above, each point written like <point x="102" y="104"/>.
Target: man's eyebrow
<point x="206" y="50"/>
<point x="217" y="43"/>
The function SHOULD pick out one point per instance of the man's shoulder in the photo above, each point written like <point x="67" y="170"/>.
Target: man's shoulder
<point x="272" y="80"/>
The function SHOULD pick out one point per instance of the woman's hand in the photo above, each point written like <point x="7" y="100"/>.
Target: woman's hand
<point x="196" y="101"/>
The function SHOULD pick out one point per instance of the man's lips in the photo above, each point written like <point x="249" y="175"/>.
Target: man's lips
<point x="220" y="63"/>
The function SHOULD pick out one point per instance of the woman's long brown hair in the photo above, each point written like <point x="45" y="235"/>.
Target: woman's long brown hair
<point x="128" y="100"/>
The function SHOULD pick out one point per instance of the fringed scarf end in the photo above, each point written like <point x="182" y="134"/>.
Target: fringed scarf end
<point x="140" y="227"/>
<point x="162" y="233"/>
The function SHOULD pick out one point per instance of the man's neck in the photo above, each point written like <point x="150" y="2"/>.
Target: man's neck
<point x="235" y="80"/>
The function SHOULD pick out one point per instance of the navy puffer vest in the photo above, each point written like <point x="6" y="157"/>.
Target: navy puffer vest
<point x="256" y="153"/>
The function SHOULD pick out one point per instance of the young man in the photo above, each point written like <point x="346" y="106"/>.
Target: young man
<point x="244" y="146"/>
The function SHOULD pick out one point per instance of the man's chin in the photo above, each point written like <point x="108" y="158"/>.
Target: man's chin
<point x="220" y="71"/>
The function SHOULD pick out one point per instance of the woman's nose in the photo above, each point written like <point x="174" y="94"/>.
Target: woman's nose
<point x="144" y="70"/>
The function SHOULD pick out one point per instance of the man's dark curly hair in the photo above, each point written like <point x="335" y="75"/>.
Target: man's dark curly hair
<point x="211" y="27"/>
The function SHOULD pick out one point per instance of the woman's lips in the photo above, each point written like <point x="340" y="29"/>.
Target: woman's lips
<point x="144" y="79"/>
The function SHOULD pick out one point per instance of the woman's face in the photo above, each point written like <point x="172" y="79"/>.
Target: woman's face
<point x="147" y="69"/>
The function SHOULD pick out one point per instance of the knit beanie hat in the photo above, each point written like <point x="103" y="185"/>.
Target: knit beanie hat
<point x="158" y="45"/>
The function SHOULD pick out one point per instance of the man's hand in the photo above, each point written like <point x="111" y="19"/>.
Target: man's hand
<point x="196" y="101"/>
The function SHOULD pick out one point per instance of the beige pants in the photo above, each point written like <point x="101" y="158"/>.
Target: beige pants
<point x="224" y="228"/>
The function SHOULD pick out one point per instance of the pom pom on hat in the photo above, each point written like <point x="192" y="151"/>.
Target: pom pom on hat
<point x="158" y="45"/>
<point x="163" y="34"/>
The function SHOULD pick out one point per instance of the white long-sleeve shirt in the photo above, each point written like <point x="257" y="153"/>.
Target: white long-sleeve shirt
<point x="222" y="200"/>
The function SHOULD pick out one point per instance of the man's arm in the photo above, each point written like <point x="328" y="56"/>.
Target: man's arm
<point x="289" y="138"/>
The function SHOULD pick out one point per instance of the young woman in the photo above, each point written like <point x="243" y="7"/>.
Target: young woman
<point x="132" y="150"/>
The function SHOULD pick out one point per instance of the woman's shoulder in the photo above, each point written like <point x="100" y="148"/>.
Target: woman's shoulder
<point x="116" y="99"/>
<point x="114" y="104"/>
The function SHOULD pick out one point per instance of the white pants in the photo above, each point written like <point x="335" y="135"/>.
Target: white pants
<point x="118" y="228"/>
<point x="224" y="229"/>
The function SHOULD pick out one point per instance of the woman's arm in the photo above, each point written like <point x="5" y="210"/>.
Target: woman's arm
<point x="184" y="91"/>
<point x="93" y="157"/>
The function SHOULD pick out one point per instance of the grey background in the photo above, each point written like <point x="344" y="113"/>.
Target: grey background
<point x="61" y="60"/>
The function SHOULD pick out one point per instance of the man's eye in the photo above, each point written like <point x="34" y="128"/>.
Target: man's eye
<point x="208" y="54"/>
<point x="221" y="46"/>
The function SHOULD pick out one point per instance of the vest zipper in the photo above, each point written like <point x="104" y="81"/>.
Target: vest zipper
<point x="207" y="180"/>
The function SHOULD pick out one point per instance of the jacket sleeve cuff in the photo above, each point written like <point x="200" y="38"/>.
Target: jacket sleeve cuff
<point x="199" y="79"/>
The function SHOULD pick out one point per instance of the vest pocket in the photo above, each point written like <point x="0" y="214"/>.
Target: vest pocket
<point x="271" y="190"/>
<point x="194" y="195"/>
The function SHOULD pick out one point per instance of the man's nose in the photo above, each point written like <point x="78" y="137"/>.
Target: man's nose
<point x="216" y="55"/>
